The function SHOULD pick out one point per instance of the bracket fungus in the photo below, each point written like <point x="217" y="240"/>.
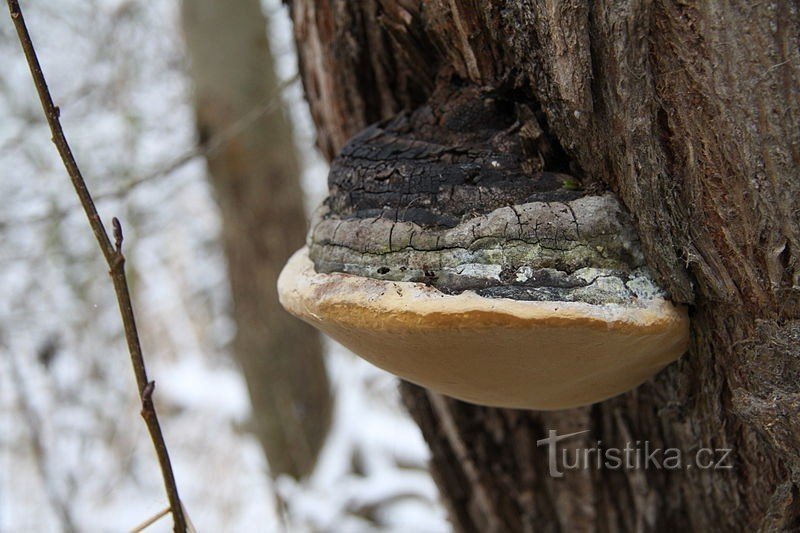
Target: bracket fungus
<point x="447" y="255"/>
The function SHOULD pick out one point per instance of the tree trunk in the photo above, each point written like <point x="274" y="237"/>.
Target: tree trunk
<point x="689" y="112"/>
<point x="255" y="175"/>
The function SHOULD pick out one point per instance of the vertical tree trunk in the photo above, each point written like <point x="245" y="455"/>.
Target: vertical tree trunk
<point x="689" y="112"/>
<point x="255" y="175"/>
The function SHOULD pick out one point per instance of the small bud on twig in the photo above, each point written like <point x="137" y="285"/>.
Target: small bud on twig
<point x="117" y="233"/>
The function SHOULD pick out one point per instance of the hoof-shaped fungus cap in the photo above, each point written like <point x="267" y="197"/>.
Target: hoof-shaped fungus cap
<point x="489" y="351"/>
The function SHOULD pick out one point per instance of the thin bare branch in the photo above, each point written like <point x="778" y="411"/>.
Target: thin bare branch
<point x="270" y="104"/>
<point x="216" y="142"/>
<point x="116" y="263"/>
<point x="150" y="521"/>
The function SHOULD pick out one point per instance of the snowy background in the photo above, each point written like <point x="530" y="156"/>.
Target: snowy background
<point x="74" y="454"/>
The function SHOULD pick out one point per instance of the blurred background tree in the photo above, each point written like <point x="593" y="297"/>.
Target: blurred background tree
<point x="256" y="179"/>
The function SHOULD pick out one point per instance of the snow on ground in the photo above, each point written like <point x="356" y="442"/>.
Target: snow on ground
<point x="73" y="450"/>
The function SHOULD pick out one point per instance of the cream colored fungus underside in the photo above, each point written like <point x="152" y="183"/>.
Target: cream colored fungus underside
<point x="490" y="351"/>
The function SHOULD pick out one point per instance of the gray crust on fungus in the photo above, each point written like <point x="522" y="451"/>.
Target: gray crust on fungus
<point x="583" y="250"/>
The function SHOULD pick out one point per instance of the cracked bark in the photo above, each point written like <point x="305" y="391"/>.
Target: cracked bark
<point x="688" y="112"/>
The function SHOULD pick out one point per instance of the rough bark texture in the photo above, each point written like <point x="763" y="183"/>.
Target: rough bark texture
<point x="689" y="112"/>
<point x="255" y="176"/>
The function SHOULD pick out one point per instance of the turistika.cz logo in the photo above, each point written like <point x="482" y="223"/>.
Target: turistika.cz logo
<point x="634" y="456"/>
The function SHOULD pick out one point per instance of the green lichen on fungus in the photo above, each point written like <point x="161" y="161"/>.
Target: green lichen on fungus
<point x="581" y="250"/>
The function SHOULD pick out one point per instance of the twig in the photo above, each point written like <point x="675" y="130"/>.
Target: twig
<point x="216" y="142"/>
<point x="150" y="521"/>
<point x="158" y="516"/>
<point x="116" y="263"/>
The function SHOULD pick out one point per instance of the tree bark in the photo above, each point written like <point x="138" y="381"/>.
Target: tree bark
<point x="689" y="112"/>
<point x="255" y="175"/>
